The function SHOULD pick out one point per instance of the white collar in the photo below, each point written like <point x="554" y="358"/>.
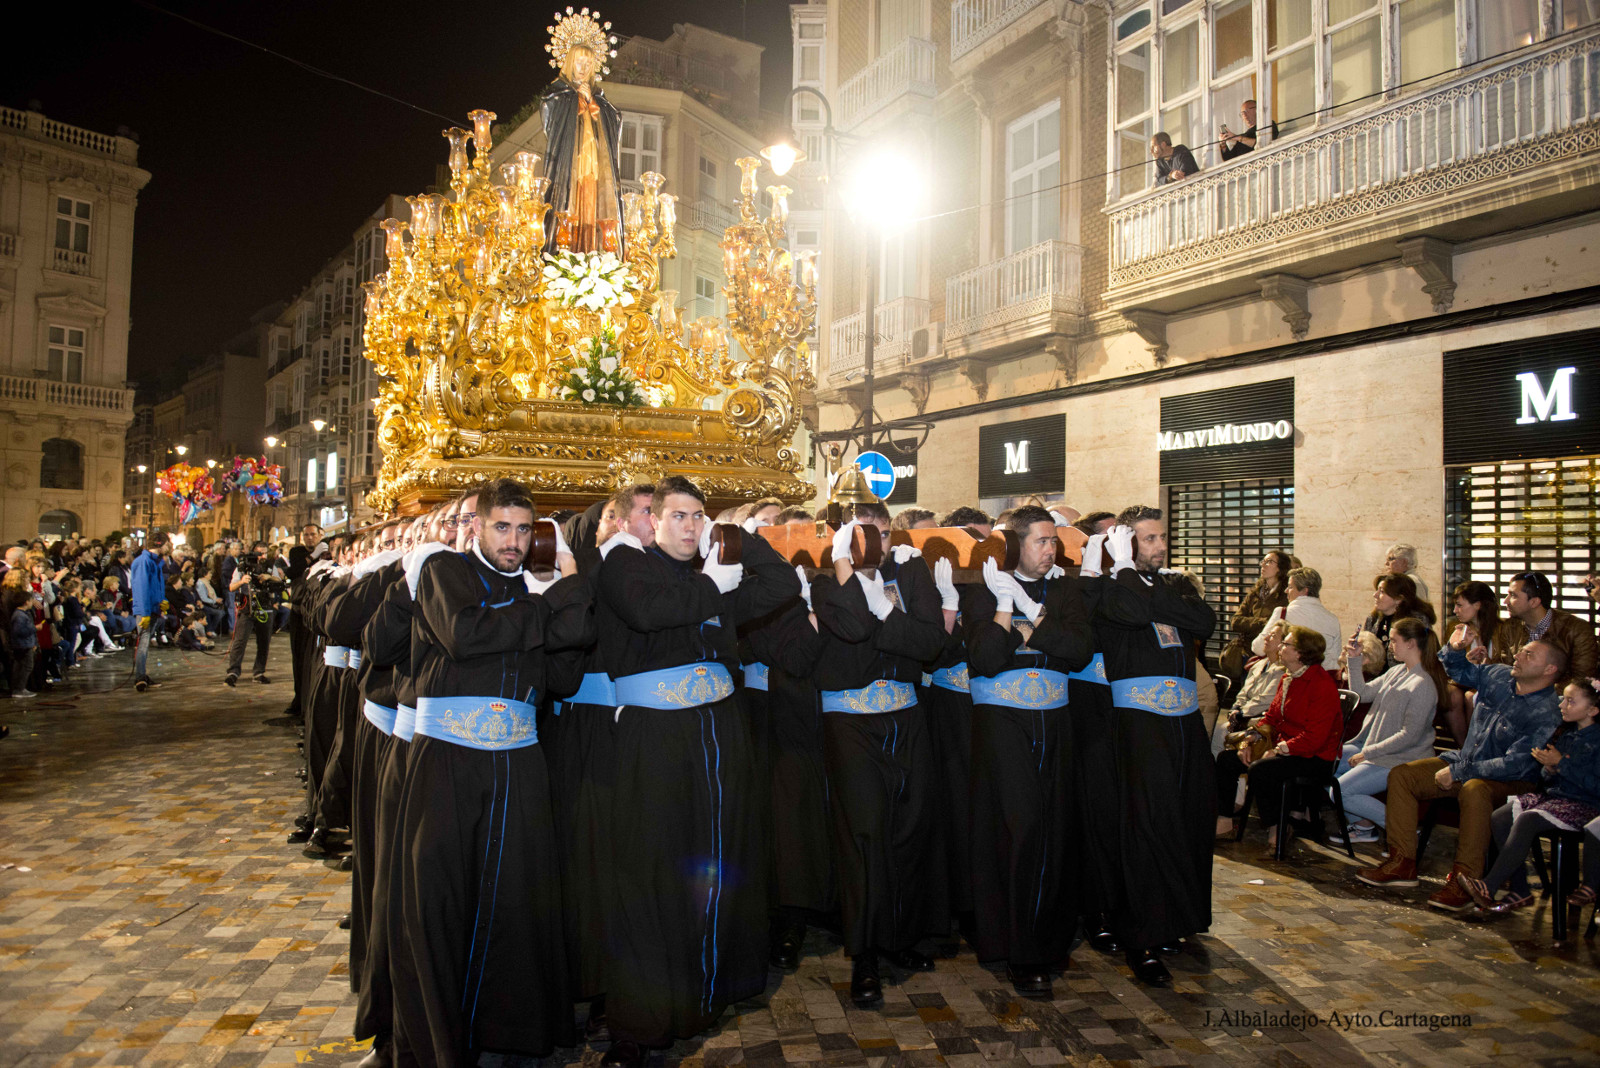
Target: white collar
<point x="476" y="552"/>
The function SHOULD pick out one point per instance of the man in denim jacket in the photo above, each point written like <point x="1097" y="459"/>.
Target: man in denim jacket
<point x="1515" y="713"/>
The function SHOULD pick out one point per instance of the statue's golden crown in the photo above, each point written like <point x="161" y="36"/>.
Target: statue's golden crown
<point x="581" y="30"/>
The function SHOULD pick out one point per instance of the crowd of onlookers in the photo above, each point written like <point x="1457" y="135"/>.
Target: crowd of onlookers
<point x="1492" y="708"/>
<point x="74" y="600"/>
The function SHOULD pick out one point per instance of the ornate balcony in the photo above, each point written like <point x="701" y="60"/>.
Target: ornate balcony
<point x="48" y="393"/>
<point x="8" y="246"/>
<point x="69" y="262"/>
<point x="905" y="70"/>
<point x="974" y="23"/>
<point x="896" y="321"/>
<point x="705" y="215"/>
<point x="1509" y="145"/>
<point x="1015" y="301"/>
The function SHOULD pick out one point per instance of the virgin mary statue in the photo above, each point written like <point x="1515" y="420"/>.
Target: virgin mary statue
<point x="581" y="130"/>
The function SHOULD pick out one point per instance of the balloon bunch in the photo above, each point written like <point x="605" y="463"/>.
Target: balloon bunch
<point x="258" y="480"/>
<point x="190" y="488"/>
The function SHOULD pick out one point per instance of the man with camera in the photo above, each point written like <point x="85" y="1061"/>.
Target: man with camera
<point x="256" y="589"/>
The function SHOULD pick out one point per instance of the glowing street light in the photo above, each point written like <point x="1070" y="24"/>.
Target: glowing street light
<point x="142" y="469"/>
<point x="181" y="450"/>
<point x="318" y="424"/>
<point x="272" y="442"/>
<point x="781" y="156"/>
<point x="211" y="463"/>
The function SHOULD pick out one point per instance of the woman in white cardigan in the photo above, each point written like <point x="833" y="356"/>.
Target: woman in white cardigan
<point x="1399" y="726"/>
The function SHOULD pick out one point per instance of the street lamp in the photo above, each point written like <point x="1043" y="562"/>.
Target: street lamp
<point x="271" y="441"/>
<point x="211" y="463"/>
<point x="181" y="450"/>
<point x="318" y="424"/>
<point x="141" y="469"/>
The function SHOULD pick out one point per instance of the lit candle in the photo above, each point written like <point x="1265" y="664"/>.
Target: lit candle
<point x="669" y="213"/>
<point x="458" y="150"/>
<point x="482" y="133"/>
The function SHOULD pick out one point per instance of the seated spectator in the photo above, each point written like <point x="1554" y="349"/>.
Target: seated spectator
<point x="1571" y="772"/>
<point x="1306" y="609"/>
<point x="209" y="602"/>
<point x="1394" y="597"/>
<point x="1475" y="605"/>
<point x="1515" y="713"/>
<point x="913" y="519"/>
<point x="1401" y="559"/>
<point x="192" y="635"/>
<point x="1531" y="618"/>
<point x="1270" y="593"/>
<point x="1260" y="686"/>
<point x="1399" y="725"/>
<point x="1173" y="162"/>
<point x="1235" y="145"/>
<point x="1305" y="726"/>
<point x="114" y="608"/>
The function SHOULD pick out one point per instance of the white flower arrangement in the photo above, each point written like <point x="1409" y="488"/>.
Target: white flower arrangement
<point x="592" y="280"/>
<point x="599" y="377"/>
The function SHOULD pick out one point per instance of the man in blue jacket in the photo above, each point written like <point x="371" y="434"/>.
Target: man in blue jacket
<point x="1515" y="713"/>
<point x="148" y="577"/>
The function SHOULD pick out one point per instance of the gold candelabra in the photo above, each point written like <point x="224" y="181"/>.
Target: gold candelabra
<point x="472" y="336"/>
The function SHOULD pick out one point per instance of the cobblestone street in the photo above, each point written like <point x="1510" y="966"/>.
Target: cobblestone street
<point x="151" y="913"/>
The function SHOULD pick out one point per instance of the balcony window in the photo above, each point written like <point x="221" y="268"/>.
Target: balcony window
<point x="897" y="266"/>
<point x="72" y="224"/>
<point x="1232" y="39"/>
<point x="1133" y="118"/>
<point x="639" y="146"/>
<point x="1427" y="35"/>
<point x="1577" y="13"/>
<point x="61" y="464"/>
<point x="1288" y="23"/>
<point x="896" y="20"/>
<point x="1505" y="25"/>
<point x="709" y="188"/>
<point x="1033" y="168"/>
<point x="1355" y="53"/>
<point x="64" y="354"/>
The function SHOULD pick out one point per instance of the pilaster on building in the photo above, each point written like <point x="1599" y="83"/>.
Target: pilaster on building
<point x="67" y="202"/>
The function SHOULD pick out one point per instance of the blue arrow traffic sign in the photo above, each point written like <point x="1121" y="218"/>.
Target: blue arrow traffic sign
<point x="879" y="472"/>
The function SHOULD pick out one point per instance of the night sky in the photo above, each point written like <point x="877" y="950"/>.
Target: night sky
<point x="262" y="170"/>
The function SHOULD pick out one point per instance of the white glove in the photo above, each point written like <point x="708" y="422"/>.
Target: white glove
<point x="944" y="579"/>
<point x="705" y="540"/>
<point x="619" y="538"/>
<point x="805" y="585"/>
<point x="1119" y="540"/>
<point x="841" y="541"/>
<point x="414" y="561"/>
<point x="561" y="545"/>
<point x="374" y="562"/>
<point x="753" y="524"/>
<point x="1056" y="571"/>
<point x="1027" y="605"/>
<point x="902" y="553"/>
<point x="1001" y="584"/>
<point x="1091" y="557"/>
<point x="1060" y="520"/>
<point x="878" y="602"/>
<point x="726" y="576"/>
<point x="538" y="585"/>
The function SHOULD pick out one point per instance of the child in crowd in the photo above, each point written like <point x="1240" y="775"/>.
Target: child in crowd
<point x="1571" y="763"/>
<point x="22" y="637"/>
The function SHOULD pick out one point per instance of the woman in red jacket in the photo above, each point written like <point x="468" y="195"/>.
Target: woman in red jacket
<point x="1307" y="727"/>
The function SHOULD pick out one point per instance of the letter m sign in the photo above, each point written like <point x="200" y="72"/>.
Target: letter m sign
<point x="1016" y="457"/>
<point x="1540" y="405"/>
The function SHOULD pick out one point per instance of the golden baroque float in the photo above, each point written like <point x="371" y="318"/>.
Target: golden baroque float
<point x="476" y="343"/>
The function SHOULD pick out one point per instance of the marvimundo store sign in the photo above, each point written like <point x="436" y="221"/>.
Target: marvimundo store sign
<point x="1223" y="434"/>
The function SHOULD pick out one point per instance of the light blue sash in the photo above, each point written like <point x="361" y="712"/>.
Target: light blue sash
<point x="1094" y="671"/>
<point x="952" y="678"/>
<point x="405" y="723"/>
<point x="336" y="656"/>
<point x="755" y="676"/>
<point x="353" y="660"/>
<point x="1161" y="694"/>
<point x="884" y="695"/>
<point x="597" y="689"/>
<point x="1025" y="688"/>
<point x="490" y="723"/>
<point x="379" y="716"/>
<point x="689" y="686"/>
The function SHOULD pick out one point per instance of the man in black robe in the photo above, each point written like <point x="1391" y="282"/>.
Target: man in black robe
<point x="300" y="561"/>
<point x="1147" y="625"/>
<point x="1026" y="630"/>
<point x="687" y="900"/>
<point x="947" y="698"/>
<point x="878" y="631"/>
<point x="484" y="967"/>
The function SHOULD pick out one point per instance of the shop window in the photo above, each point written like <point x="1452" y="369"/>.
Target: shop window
<point x="61" y="464"/>
<point x="1221" y="530"/>
<point x="1505" y="518"/>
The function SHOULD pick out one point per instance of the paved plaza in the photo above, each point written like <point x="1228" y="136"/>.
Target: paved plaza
<point x="151" y="913"/>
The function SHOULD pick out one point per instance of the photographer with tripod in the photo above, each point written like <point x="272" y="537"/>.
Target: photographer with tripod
<point x="257" y="589"/>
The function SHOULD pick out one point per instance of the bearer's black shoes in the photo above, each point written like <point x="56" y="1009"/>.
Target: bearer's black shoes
<point x="786" y="942"/>
<point x="1171" y="949"/>
<point x="625" y="1055"/>
<point x="866" y="989"/>
<point x="317" y="847"/>
<point x="1148" y="969"/>
<point x="910" y="960"/>
<point x="299" y="835"/>
<point x="344" y="922"/>
<point x="597" y="1028"/>
<point x="1029" y="982"/>
<point x="347" y="863"/>
<point x="1100" y="936"/>
<point x="382" y="1055"/>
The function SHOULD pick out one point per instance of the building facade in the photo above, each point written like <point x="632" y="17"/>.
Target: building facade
<point x="1375" y="327"/>
<point x="67" y="202"/>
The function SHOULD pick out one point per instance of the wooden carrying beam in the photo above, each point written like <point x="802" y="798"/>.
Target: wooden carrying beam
<point x="964" y="547"/>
